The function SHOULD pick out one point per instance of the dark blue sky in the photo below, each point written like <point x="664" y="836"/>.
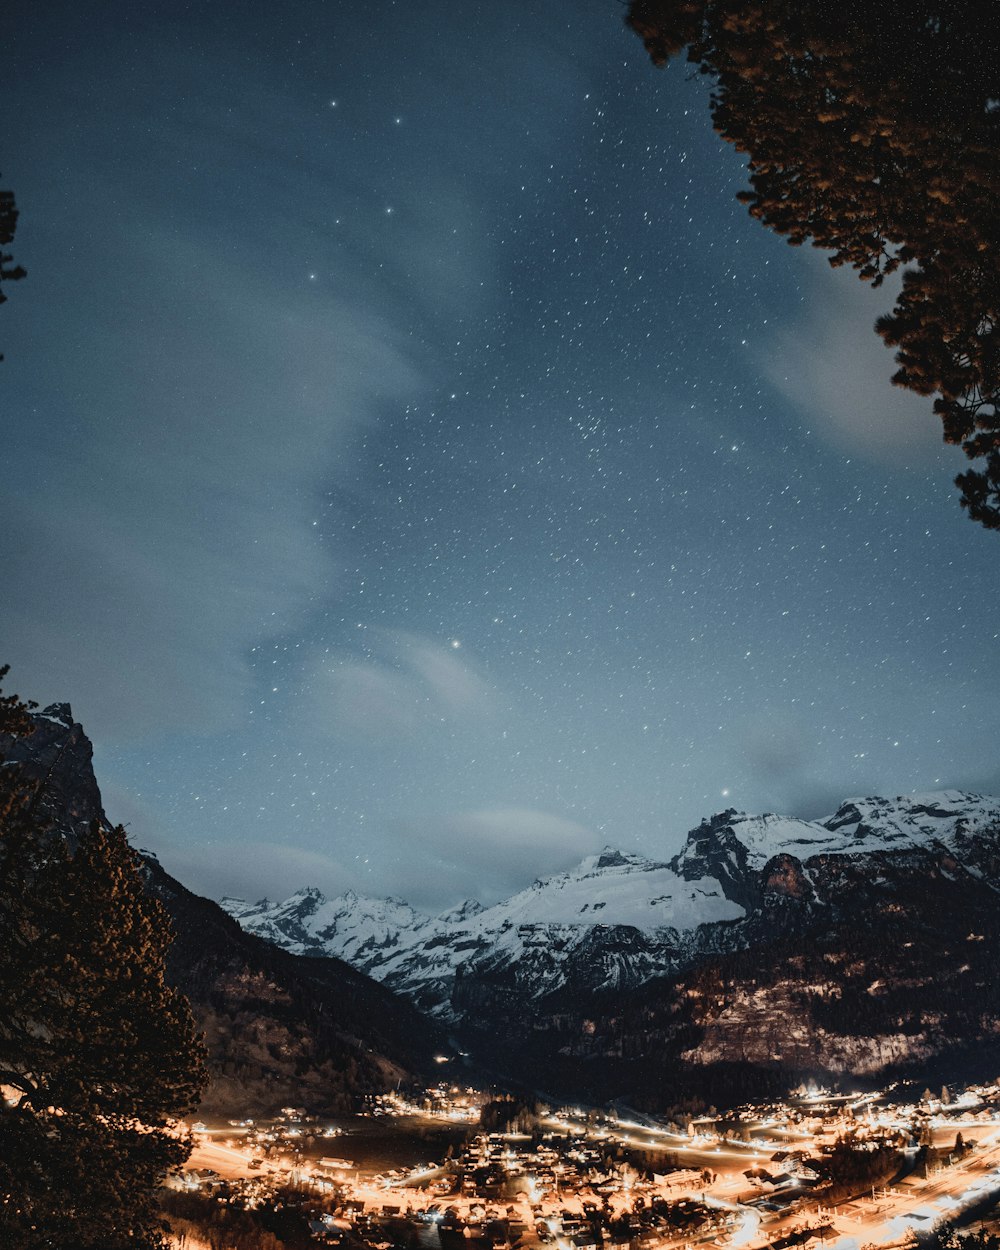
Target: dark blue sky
<point x="419" y="471"/>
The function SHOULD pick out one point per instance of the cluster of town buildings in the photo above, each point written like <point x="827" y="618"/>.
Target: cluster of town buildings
<point x="582" y="1180"/>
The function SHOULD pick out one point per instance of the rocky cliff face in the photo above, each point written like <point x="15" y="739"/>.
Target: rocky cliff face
<point x="61" y="759"/>
<point x="767" y="947"/>
<point x="874" y="965"/>
<point x="281" y="1029"/>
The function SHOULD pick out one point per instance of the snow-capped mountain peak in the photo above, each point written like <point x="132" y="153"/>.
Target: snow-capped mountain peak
<point x="611" y="857"/>
<point x="462" y="913"/>
<point x="620" y="917"/>
<point x="914" y="819"/>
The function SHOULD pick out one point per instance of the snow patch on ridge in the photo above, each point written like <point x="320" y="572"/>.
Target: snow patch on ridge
<point x="616" y="889"/>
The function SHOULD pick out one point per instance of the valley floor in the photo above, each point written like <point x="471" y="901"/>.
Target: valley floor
<point x="425" y="1174"/>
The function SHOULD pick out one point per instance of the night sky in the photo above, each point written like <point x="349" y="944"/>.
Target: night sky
<point x="418" y="471"/>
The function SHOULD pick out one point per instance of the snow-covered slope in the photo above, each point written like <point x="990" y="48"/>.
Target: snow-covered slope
<point x="421" y="954"/>
<point x="615" y="888"/>
<point x="865" y="825"/>
<point x="733" y="847"/>
<point x="352" y="927"/>
<point x="884" y="824"/>
<point x="618" y="918"/>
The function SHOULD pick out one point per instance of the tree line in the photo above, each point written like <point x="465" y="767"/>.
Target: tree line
<point x="99" y="1057"/>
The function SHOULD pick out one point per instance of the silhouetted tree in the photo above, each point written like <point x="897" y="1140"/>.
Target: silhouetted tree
<point x="97" y="1054"/>
<point x="872" y="131"/>
<point x="955" y="1239"/>
<point x="8" y="224"/>
<point x="509" y="1114"/>
<point x="848" y="1165"/>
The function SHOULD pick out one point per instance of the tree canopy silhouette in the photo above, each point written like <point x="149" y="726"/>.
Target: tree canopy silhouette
<point x="8" y="224"/>
<point x="872" y="131"/>
<point x="97" y="1054"/>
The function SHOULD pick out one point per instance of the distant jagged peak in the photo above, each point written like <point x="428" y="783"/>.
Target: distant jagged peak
<point x="308" y="893"/>
<point x="374" y="905"/>
<point x="770" y="834"/>
<point x="934" y="804"/>
<point x="241" y="908"/>
<point x="313" y="899"/>
<point x="731" y="842"/>
<point x="463" y="911"/>
<point x="306" y="901"/>
<point x="914" y="818"/>
<point x="312" y="913"/>
<point x="609" y="858"/>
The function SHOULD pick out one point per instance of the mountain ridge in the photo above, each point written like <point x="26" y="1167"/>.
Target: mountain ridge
<point x="863" y="945"/>
<point x="717" y="878"/>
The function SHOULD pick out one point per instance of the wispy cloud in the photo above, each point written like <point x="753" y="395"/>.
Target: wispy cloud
<point x="255" y="869"/>
<point x="835" y="370"/>
<point x="405" y="684"/>
<point x="201" y="393"/>
<point x="512" y="833"/>
<point x="182" y="531"/>
<point x="166" y="517"/>
<point x="488" y="853"/>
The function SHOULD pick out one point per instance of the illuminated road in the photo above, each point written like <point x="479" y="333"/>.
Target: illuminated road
<point x="225" y="1160"/>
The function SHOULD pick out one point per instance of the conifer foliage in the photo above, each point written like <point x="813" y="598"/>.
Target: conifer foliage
<point x="873" y="130"/>
<point x="97" y="1054"/>
<point x="9" y="272"/>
